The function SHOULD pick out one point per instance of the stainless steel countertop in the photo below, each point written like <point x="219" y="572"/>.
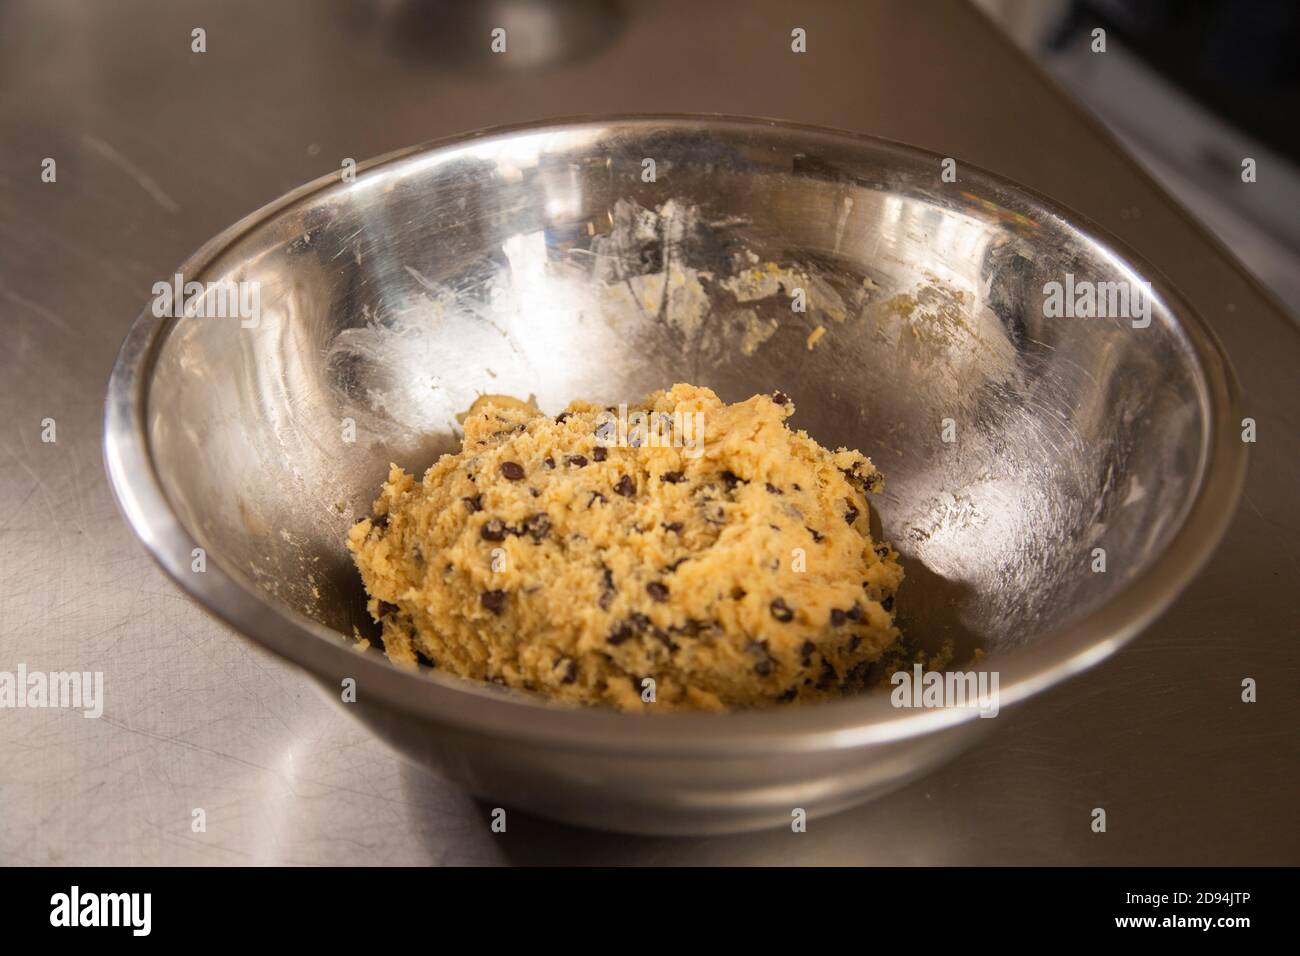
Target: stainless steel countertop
<point x="159" y="148"/>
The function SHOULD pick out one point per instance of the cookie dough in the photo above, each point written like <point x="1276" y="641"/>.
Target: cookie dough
<point x="604" y="556"/>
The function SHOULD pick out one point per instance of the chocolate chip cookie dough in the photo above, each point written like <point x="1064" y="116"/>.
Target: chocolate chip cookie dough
<point x="682" y="554"/>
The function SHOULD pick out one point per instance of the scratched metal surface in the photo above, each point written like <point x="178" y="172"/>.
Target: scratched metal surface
<point x="159" y="148"/>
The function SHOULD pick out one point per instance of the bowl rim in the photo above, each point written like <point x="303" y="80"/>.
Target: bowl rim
<point x="488" y="711"/>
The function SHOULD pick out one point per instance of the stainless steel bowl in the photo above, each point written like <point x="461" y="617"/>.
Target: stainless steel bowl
<point x="539" y="260"/>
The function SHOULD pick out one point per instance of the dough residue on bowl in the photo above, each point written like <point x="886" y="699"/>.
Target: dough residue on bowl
<point x="680" y="554"/>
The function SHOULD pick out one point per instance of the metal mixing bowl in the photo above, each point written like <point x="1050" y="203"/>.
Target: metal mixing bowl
<point x="539" y="260"/>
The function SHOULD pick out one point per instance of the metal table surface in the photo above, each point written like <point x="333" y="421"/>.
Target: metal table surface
<point x="158" y="148"/>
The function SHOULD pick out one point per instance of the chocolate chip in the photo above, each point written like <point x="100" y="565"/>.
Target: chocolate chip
<point x="534" y="492"/>
<point x="620" y="634"/>
<point x="817" y="536"/>
<point x="674" y="526"/>
<point x="494" y="601"/>
<point x="380" y="521"/>
<point x="693" y="627"/>
<point x="838" y="617"/>
<point x="607" y="594"/>
<point x="859" y="673"/>
<point x="538" y="526"/>
<point x="854" y="613"/>
<point x="599" y="454"/>
<point x="657" y="590"/>
<point x="867" y="481"/>
<point x="763" y="668"/>
<point x="828" y="675"/>
<point x="854" y="641"/>
<point x="788" y="695"/>
<point x="512" y="470"/>
<point x="626" y="486"/>
<point x="731" y="479"/>
<point x="577" y="461"/>
<point x="737" y="594"/>
<point x="570" y="669"/>
<point x="474" y="503"/>
<point x="773" y="489"/>
<point x="888" y="603"/>
<point x="561" y="418"/>
<point x="596" y="496"/>
<point x="781" y="611"/>
<point x="494" y="529"/>
<point x="672" y="477"/>
<point x="549" y="462"/>
<point x="851" y="515"/>
<point x="780" y="398"/>
<point x="676" y="564"/>
<point x="806" y="653"/>
<point x="386" y="609"/>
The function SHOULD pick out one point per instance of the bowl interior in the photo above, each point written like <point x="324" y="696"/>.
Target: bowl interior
<point x="605" y="260"/>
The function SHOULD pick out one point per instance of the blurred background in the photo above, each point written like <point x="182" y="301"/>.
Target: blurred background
<point x="1191" y="87"/>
